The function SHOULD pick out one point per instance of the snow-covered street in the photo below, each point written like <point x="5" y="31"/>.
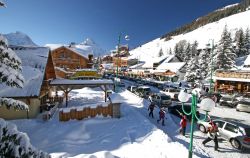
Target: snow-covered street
<point x="133" y="135"/>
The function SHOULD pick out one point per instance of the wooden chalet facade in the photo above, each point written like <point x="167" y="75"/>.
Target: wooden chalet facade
<point x="66" y="60"/>
<point x="232" y="81"/>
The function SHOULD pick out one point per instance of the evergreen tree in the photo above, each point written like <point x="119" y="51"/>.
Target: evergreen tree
<point x="160" y="53"/>
<point x="240" y="46"/>
<point x="225" y="52"/>
<point x="194" y="51"/>
<point x="247" y="41"/>
<point x="193" y="72"/>
<point x="176" y="50"/>
<point x="188" y="53"/>
<point x="204" y="63"/>
<point x="14" y="143"/>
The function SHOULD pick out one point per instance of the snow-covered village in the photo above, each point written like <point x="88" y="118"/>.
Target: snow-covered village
<point x="124" y="79"/>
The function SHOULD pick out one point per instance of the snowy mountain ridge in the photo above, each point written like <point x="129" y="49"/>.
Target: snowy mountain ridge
<point x="88" y="46"/>
<point x="19" y="39"/>
<point x="204" y="35"/>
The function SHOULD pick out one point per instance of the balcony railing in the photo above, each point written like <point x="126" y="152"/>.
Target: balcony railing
<point x="230" y="74"/>
<point x="69" y="60"/>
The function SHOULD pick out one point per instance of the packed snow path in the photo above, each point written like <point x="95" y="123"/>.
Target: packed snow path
<point x="171" y="129"/>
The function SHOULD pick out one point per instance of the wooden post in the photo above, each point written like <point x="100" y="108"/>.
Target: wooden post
<point x="105" y="90"/>
<point x="66" y="93"/>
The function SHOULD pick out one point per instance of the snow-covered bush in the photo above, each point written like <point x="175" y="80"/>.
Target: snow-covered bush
<point x="16" y="144"/>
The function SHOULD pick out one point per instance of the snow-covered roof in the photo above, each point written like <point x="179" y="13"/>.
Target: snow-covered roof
<point x="174" y="67"/>
<point x="34" y="62"/>
<point x="80" y="82"/>
<point x="139" y="65"/>
<point x="149" y="63"/>
<point x="107" y="66"/>
<point x="239" y="62"/>
<point x="247" y="61"/>
<point x="232" y="79"/>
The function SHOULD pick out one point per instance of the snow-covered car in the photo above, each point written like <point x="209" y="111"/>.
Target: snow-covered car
<point x="161" y="100"/>
<point x="243" y="105"/>
<point x="237" y="134"/>
<point x="143" y="91"/>
<point x="228" y="100"/>
<point x="172" y="92"/>
<point x="131" y="88"/>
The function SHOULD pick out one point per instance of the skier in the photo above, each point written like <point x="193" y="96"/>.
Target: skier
<point x="183" y="124"/>
<point x="151" y="109"/>
<point x="212" y="135"/>
<point x="161" y="116"/>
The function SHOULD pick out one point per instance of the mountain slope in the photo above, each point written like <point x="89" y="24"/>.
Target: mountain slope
<point x="203" y="35"/>
<point x="19" y="39"/>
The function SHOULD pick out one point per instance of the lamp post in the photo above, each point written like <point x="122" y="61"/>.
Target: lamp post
<point x="206" y="105"/>
<point x="118" y="58"/>
<point x="211" y="61"/>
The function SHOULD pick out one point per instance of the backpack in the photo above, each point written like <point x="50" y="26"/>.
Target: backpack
<point x="213" y="128"/>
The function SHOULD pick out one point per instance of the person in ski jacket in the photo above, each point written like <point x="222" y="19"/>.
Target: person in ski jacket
<point x="183" y="124"/>
<point x="161" y="116"/>
<point x="151" y="109"/>
<point x="212" y="135"/>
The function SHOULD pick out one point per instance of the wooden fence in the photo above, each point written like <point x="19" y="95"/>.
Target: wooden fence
<point x="112" y="110"/>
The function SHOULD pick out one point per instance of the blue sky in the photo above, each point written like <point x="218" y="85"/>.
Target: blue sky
<point x="65" y="21"/>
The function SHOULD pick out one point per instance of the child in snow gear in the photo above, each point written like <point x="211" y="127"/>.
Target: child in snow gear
<point x="151" y="109"/>
<point x="212" y="135"/>
<point x="183" y="124"/>
<point x="161" y="116"/>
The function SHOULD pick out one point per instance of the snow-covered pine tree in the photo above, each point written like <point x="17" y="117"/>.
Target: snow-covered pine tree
<point x="160" y="53"/>
<point x="193" y="72"/>
<point x="225" y="52"/>
<point x="176" y="50"/>
<point x="194" y="49"/>
<point x="247" y="41"/>
<point x="204" y="63"/>
<point x="240" y="45"/>
<point x="13" y="142"/>
<point x="188" y="53"/>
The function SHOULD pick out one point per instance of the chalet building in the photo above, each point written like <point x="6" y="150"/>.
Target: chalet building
<point x="69" y="59"/>
<point x="231" y="81"/>
<point x="167" y="68"/>
<point x="123" y="51"/>
<point x="38" y="71"/>
<point x="107" y="59"/>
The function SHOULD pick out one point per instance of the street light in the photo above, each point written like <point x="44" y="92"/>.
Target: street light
<point x="126" y="37"/>
<point x="211" y="69"/>
<point x="206" y="105"/>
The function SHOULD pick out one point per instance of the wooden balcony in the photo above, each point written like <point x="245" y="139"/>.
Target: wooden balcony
<point x="233" y="74"/>
<point x="67" y="60"/>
